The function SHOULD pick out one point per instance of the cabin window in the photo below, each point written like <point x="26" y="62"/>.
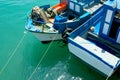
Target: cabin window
<point x="77" y="8"/>
<point x="108" y="16"/>
<point x="91" y="3"/>
<point x="85" y="6"/>
<point x="114" y="29"/>
<point x="105" y="29"/>
<point x="118" y="37"/>
<point x="71" y="6"/>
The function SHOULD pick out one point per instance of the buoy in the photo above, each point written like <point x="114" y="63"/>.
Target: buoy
<point x="59" y="7"/>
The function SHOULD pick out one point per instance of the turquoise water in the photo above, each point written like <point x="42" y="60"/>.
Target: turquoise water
<point x="23" y="57"/>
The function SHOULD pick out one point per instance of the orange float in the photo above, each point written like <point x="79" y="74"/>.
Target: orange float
<point x="60" y="7"/>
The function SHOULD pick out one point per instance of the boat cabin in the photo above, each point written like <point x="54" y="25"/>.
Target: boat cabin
<point x="110" y="26"/>
<point x="80" y="5"/>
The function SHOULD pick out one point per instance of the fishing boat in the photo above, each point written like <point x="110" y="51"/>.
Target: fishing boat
<point x="54" y="22"/>
<point x="97" y="41"/>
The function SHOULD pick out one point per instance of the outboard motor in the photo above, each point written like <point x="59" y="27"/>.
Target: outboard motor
<point x="65" y="35"/>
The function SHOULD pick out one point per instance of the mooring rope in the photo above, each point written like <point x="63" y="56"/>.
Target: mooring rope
<point x="109" y="75"/>
<point x="13" y="52"/>
<point x="45" y="53"/>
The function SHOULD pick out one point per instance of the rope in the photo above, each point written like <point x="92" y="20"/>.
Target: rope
<point x="112" y="71"/>
<point x="13" y="53"/>
<point x="42" y="57"/>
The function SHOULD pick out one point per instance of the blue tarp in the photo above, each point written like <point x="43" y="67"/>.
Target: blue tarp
<point x="59" y="23"/>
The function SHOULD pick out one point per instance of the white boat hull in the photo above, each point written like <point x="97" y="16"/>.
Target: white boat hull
<point x="93" y="55"/>
<point x="47" y="36"/>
